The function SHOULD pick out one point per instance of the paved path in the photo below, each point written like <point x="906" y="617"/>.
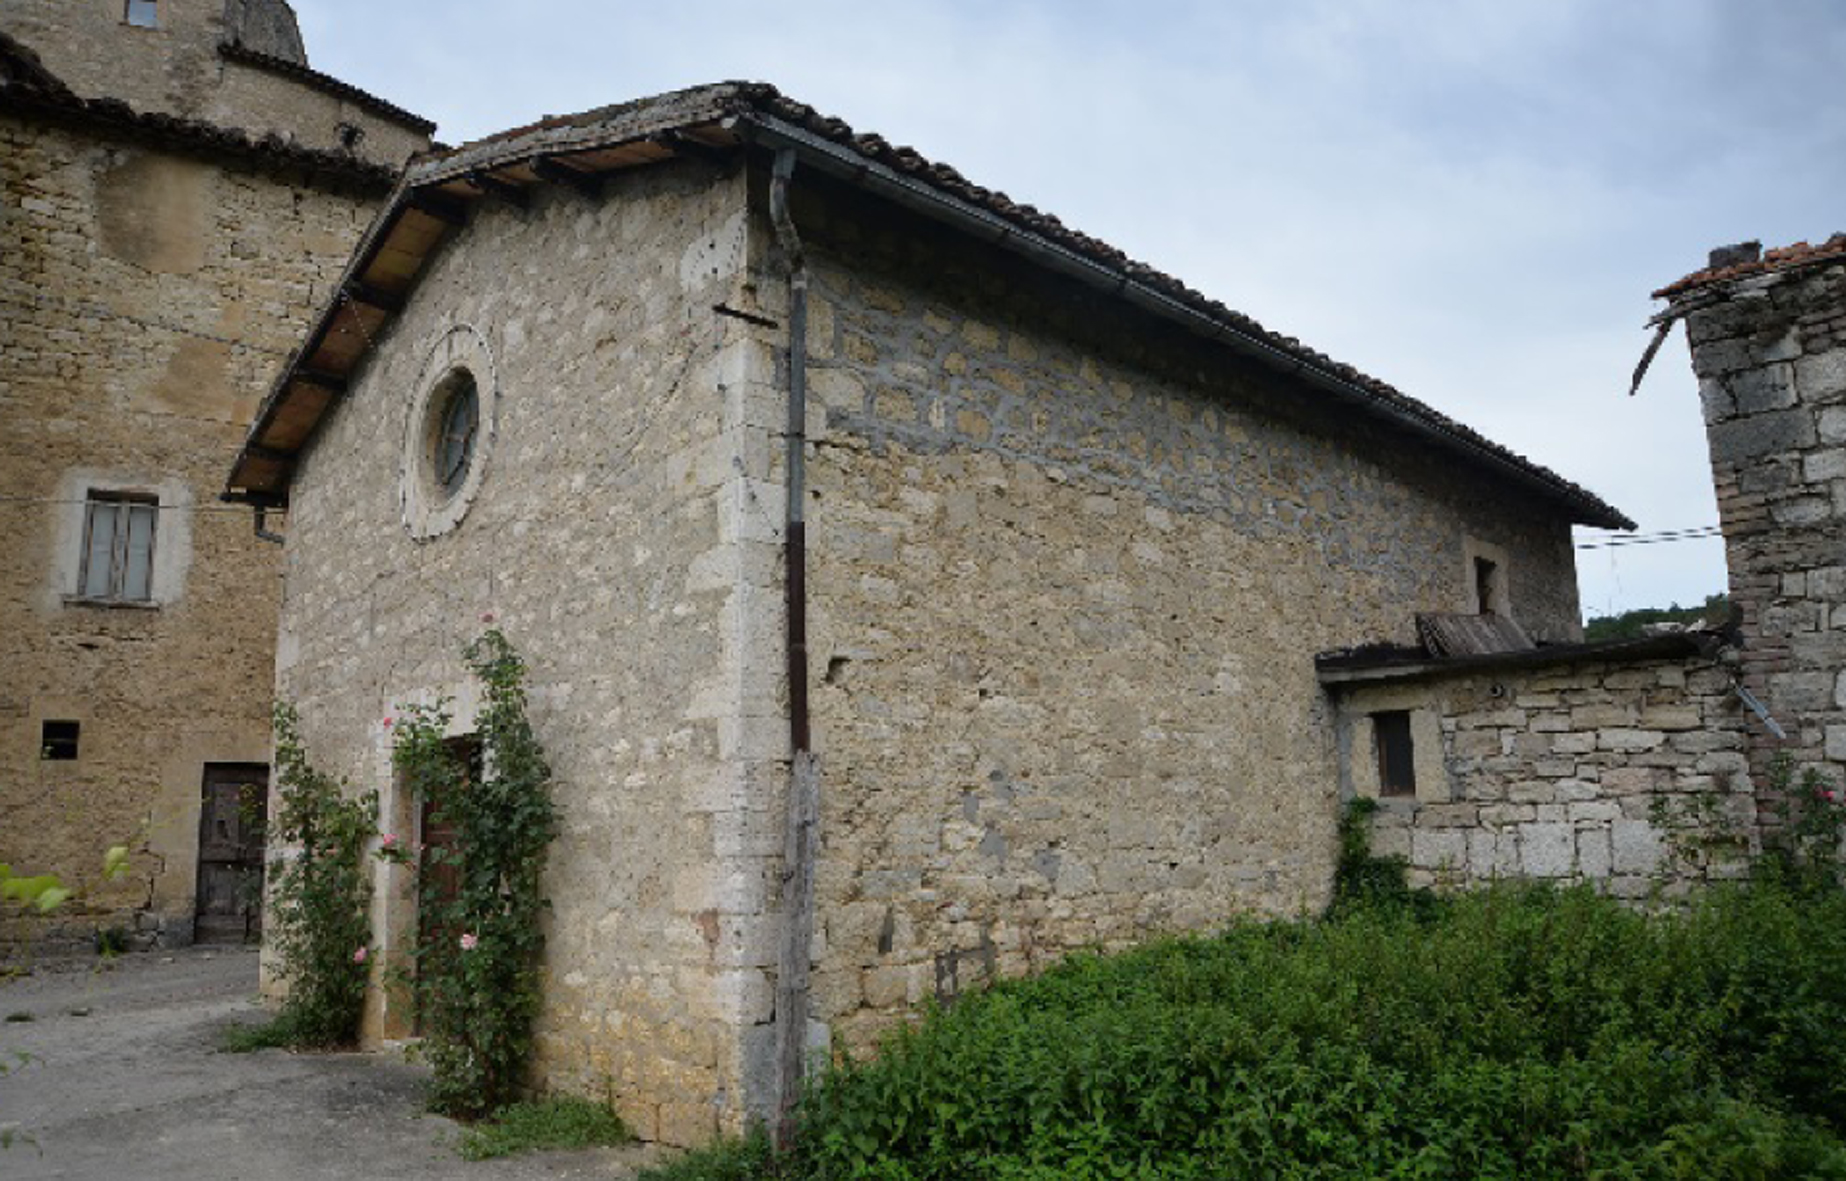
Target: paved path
<point x="126" y="1082"/>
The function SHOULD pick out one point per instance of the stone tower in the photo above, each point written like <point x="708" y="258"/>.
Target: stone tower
<point x="231" y="63"/>
<point x="177" y="190"/>
<point x="1768" y="339"/>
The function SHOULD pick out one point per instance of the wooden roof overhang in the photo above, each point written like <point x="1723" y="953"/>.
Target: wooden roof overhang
<point x="429" y="206"/>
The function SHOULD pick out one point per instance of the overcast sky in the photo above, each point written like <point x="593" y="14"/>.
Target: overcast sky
<point x="1471" y="201"/>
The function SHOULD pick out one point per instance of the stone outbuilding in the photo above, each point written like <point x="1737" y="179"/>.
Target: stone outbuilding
<point x="786" y="456"/>
<point x="1667" y="761"/>
<point x="179" y="197"/>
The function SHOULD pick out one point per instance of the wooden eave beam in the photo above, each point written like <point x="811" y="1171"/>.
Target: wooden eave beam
<point x="588" y="183"/>
<point x="332" y="383"/>
<point x="257" y="451"/>
<point x="373" y="297"/>
<point x="507" y="191"/>
<point x="681" y="144"/>
<point x="442" y="208"/>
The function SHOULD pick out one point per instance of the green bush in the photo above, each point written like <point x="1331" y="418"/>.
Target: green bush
<point x="320" y="898"/>
<point x="477" y="958"/>
<point x="1515" y="1032"/>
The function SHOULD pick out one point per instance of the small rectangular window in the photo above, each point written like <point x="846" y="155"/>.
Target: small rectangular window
<point x="118" y="548"/>
<point x="1486" y="584"/>
<point x="58" y="740"/>
<point x="1397" y="764"/>
<point x="144" y="14"/>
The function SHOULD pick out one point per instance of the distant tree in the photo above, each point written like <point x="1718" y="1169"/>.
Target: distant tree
<point x="1629" y="624"/>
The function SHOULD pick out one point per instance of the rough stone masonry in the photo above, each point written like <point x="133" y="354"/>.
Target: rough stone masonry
<point x="1768" y="340"/>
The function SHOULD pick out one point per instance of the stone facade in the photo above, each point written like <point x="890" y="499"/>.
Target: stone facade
<point x="1067" y="570"/>
<point x="151" y="281"/>
<point x="229" y="63"/>
<point x="623" y="537"/>
<point x="1622" y="767"/>
<point x="1768" y="343"/>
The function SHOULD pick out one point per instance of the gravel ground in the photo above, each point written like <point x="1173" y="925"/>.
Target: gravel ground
<point x="125" y="1081"/>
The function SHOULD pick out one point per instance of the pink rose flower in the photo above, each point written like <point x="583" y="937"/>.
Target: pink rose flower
<point x="387" y="723"/>
<point x="469" y="942"/>
<point x="388" y="840"/>
<point x="359" y="955"/>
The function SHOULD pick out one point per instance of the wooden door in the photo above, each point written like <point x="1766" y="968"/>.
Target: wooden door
<point x="232" y="806"/>
<point x="438" y="881"/>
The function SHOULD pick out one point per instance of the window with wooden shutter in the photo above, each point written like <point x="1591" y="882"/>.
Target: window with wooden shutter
<point x="118" y="548"/>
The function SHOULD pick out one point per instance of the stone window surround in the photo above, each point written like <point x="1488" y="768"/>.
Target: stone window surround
<point x="1499" y="593"/>
<point x="1359" y="747"/>
<point x="429" y="511"/>
<point x="172" y="550"/>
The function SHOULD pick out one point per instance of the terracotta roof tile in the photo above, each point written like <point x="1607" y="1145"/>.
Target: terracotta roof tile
<point x="1784" y="258"/>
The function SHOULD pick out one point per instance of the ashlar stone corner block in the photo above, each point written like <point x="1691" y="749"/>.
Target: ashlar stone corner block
<point x="1594" y="853"/>
<point x="1636" y="846"/>
<point x="1547" y="850"/>
<point x="1822" y="376"/>
<point x="1447" y="848"/>
<point x="1747" y="440"/>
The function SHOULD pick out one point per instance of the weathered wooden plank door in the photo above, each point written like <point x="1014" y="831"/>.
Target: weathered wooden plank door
<point x="232" y="807"/>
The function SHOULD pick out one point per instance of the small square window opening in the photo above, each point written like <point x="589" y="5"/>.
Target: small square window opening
<point x="118" y="548"/>
<point x="58" y="741"/>
<point x="143" y="14"/>
<point x="1397" y="764"/>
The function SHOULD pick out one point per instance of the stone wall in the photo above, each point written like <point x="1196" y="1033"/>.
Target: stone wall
<point x="177" y="69"/>
<point x="1628" y="774"/>
<point x="1069" y="569"/>
<point x="1770" y="354"/>
<point x="146" y="297"/>
<point x="623" y="536"/>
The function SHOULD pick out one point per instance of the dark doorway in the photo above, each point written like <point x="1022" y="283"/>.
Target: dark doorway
<point x="232" y="808"/>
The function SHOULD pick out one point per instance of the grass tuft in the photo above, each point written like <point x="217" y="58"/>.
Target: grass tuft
<point x="735" y="1158"/>
<point x="559" y="1122"/>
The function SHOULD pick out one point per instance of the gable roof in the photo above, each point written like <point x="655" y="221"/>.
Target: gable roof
<point x="437" y="191"/>
<point x="27" y="88"/>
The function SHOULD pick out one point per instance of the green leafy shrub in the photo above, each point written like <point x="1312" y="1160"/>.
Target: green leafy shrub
<point x="1518" y="1031"/>
<point x="320" y="899"/>
<point x="547" y="1123"/>
<point x="477" y="960"/>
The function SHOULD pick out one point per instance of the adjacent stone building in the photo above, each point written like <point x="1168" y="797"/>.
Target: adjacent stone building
<point x="179" y="198"/>
<point x="1042" y="606"/>
<point x="1663" y="762"/>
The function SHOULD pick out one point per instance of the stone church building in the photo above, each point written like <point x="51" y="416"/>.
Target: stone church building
<point x="776" y="448"/>
<point x="180" y="192"/>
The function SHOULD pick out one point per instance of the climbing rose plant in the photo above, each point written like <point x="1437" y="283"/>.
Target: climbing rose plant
<point x="320" y="895"/>
<point x="477" y="958"/>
